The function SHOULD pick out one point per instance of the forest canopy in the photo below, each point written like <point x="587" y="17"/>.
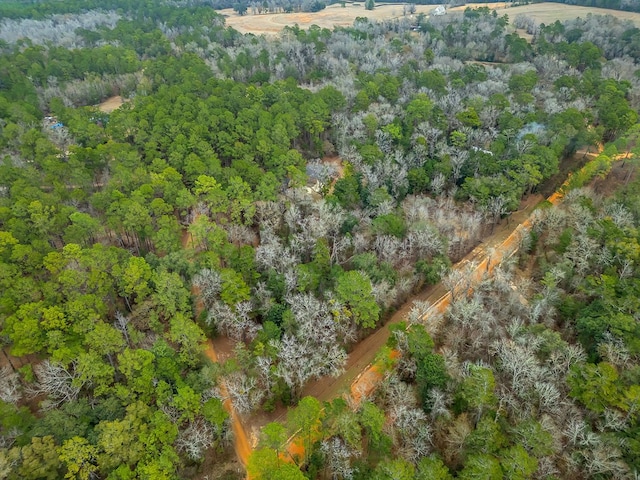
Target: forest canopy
<point x="280" y="197"/>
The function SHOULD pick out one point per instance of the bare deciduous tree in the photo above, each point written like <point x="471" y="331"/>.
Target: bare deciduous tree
<point x="58" y="382"/>
<point x="10" y="390"/>
<point x="196" y="438"/>
<point x="244" y="392"/>
<point x="338" y="458"/>
<point x="209" y="284"/>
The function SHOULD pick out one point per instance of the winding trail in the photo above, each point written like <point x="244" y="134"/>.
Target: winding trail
<point x="241" y="445"/>
<point x="241" y="442"/>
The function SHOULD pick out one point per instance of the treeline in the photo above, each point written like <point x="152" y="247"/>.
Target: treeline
<point x="38" y="9"/>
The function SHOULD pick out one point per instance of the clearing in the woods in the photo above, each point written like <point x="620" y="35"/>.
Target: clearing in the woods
<point x="111" y="104"/>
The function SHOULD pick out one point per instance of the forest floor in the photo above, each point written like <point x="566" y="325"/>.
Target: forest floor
<point x="621" y="174"/>
<point x="335" y="15"/>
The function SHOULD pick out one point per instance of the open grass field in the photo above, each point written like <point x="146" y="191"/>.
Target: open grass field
<point x="336" y="15"/>
<point x="550" y="12"/>
<point x="332" y="16"/>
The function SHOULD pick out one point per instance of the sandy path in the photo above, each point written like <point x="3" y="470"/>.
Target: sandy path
<point x="224" y="347"/>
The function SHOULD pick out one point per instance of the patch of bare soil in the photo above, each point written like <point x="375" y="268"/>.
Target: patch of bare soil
<point x="336" y="163"/>
<point x="15" y="363"/>
<point x="111" y="104"/>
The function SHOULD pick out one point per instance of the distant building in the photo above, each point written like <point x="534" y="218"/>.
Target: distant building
<point x="439" y="10"/>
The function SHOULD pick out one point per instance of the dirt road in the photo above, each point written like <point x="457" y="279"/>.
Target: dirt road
<point x="360" y="358"/>
<point x="240" y="439"/>
<point x="361" y="376"/>
<point x="485" y="258"/>
<point x="241" y="442"/>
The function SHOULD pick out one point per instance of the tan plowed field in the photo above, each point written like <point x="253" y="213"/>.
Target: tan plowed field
<point x="332" y="16"/>
<point x="336" y="15"/>
<point x="550" y="12"/>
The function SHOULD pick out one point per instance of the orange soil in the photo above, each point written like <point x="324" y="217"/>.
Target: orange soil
<point x="242" y="446"/>
<point x="241" y="442"/>
<point x="295" y="450"/>
<point x="366" y="381"/>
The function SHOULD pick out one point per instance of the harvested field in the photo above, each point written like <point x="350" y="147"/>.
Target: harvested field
<point x="550" y="12"/>
<point x="336" y="15"/>
<point x="332" y="16"/>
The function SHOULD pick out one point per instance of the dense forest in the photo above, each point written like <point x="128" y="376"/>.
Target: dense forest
<point x="289" y="193"/>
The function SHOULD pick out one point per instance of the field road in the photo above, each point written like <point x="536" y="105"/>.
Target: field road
<point x="361" y="375"/>
<point x="503" y="245"/>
